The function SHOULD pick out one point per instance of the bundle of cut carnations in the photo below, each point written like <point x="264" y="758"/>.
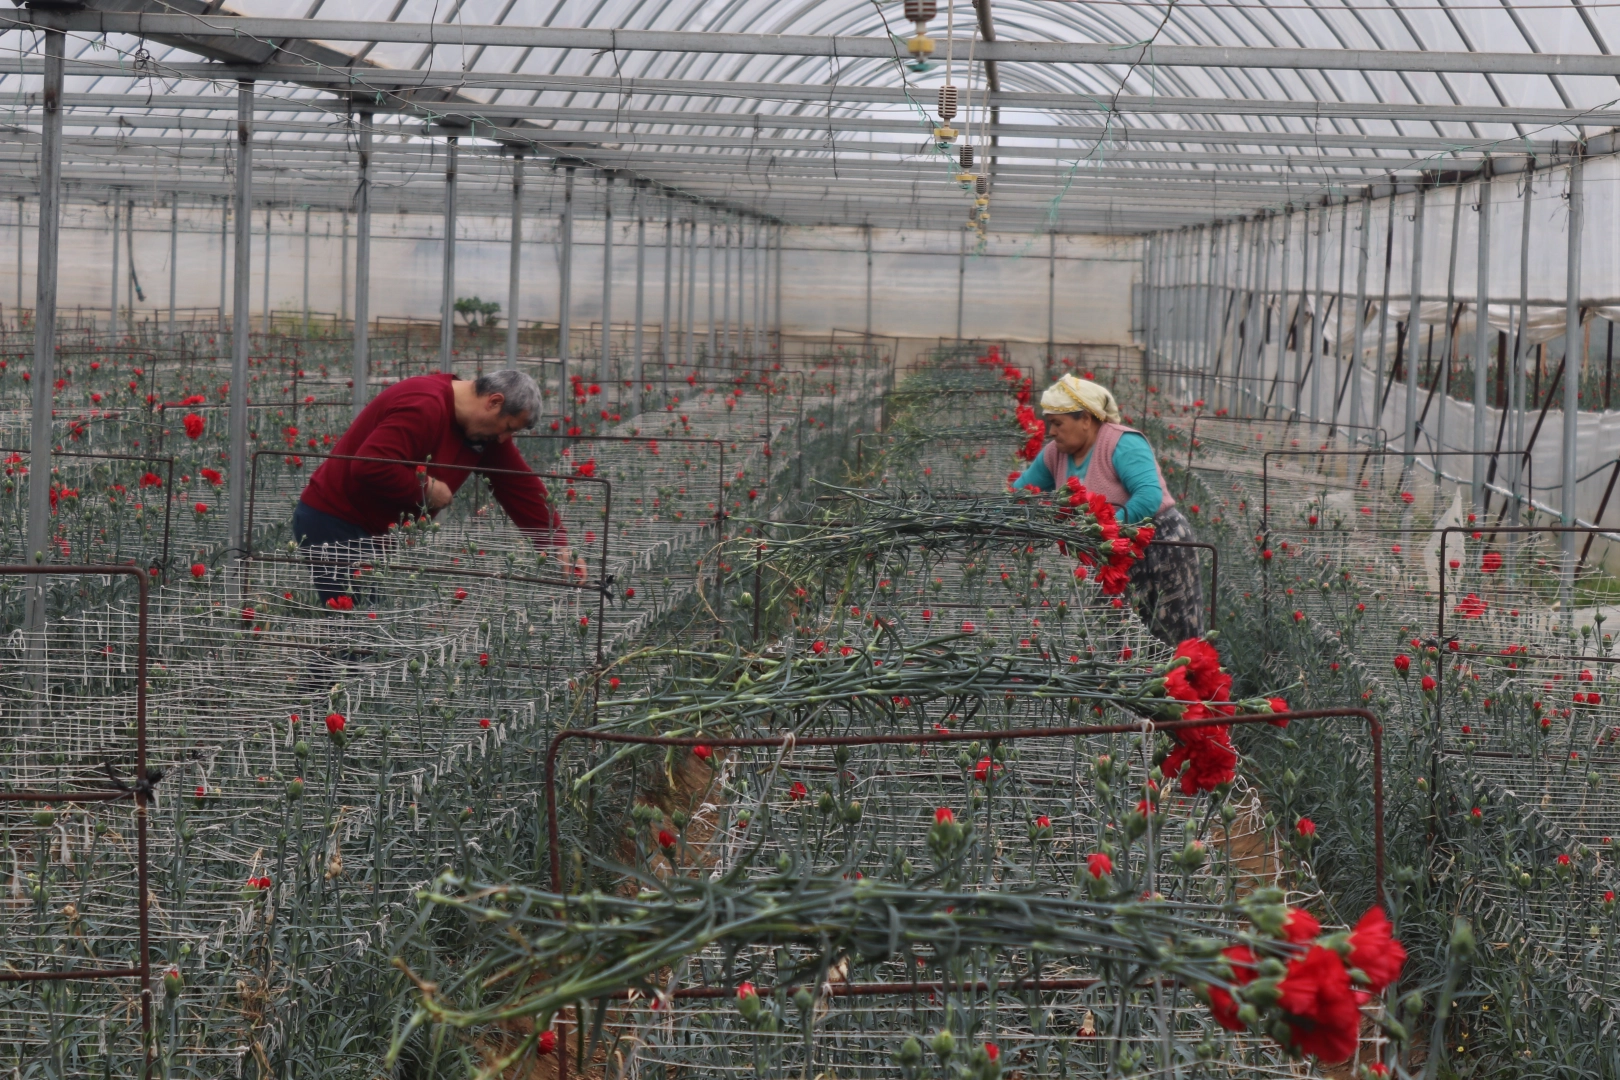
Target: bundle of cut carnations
<point x="538" y="953"/>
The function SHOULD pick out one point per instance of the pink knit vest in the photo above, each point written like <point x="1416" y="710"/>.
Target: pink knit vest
<point x="1100" y="476"/>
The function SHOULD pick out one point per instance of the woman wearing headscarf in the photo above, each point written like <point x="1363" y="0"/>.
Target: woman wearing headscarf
<point x="1087" y="441"/>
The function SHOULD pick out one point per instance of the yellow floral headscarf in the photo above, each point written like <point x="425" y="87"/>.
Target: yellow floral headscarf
<point x="1073" y="394"/>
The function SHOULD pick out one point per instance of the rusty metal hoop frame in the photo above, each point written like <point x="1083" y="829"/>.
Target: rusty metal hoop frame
<point x="601" y="586"/>
<point x="168" y="492"/>
<point x="1375" y="733"/>
<point x="138" y="792"/>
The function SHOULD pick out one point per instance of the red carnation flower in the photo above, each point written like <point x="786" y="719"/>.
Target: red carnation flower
<point x="548" y="1042"/>
<point x="1278" y="705"/>
<point x="1490" y="562"/>
<point x="1300" y="926"/>
<point x="1375" y="951"/>
<point x="194" y="426"/>
<point x="1098" y="865"/>
<point x="335" y="722"/>
<point x="798" y="791"/>
<point x="666" y="839"/>
<point x="1221" y="1005"/>
<point x="1320" y="1007"/>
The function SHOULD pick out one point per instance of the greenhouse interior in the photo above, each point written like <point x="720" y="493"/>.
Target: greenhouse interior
<point x="866" y="645"/>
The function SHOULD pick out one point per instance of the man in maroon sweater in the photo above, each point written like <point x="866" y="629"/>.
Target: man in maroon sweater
<point x="453" y="428"/>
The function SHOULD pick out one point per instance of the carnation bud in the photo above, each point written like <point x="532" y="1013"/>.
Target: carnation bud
<point x="1462" y="939"/>
<point x="944" y="1045"/>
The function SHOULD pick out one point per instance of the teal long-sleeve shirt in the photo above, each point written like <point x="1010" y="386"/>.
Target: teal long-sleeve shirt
<point x="1133" y="464"/>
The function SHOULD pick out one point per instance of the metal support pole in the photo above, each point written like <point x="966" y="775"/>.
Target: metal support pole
<point x="961" y="278"/>
<point x="1338" y="322"/>
<point x="20" y="230"/>
<point x="1146" y="305"/>
<point x="174" y="253"/>
<point x="1363" y="257"/>
<point x="224" y="254"/>
<point x="241" y="283"/>
<point x="1185" y="292"/>
<point x="638" y="371"/>
<point x="1324" y="221"/>
<point x="129" y="264"/>
<point x="1482" y="342"/>
<point x="1414" y="322"/>
<point x="1574" y="361"/>
<point x="1521" y="348"/>
<point x="604" y="372"/>
<point x="781" y="239"/>
<point x="725" y="290"/>
<point x="691" y="293"/>
<point x="565" y="288"/>
<point x="362" y="269"/>
<point x="117" y="221"/>
<point x="1262" y="316"/>
<point x="713" y="329"/>
<point x="761" y="280"/>
<point x="665" y="328"/>
<point x="1297" y="321"/>
<point x="306" y="269"/>
<point x="1379" y="395"/>
<point x="343" y="267"/>
<point x="1442" y="381"/>
<point x="43" y="379"/>
<point x="1283" y="314"/>
<point x="447" y="278"/>
<point x="1217" y="273"/>
<point x="269" y="217"/>
<point x="1051" y="300"/>
<point x="514" y="263"/>
<point x="1197" y="307"/>
<point x="867" y="230"/>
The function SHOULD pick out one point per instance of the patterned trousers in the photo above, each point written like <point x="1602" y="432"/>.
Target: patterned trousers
<point x="1167" y="590"/>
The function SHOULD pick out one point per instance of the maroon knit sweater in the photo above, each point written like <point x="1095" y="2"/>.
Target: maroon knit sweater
<point x="415" y="421"/>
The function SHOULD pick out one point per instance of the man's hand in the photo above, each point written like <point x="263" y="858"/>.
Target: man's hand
<point x="572" y="563"/>
<point x="437" y="494"/>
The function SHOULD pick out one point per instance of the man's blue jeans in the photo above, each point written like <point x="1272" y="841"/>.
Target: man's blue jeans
<point x="335" y="548"/>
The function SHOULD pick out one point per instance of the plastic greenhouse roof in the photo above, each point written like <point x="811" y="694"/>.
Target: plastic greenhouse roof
<point x="1104" y="115"/>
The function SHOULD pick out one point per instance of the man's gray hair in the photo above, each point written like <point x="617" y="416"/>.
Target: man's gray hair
<point x="518" y="391"/>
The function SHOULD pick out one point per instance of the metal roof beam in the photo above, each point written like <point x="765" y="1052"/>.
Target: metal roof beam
<point x="269" y="37"/>
<point x="139" y="112"/>
<point x="395" y="80"/>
